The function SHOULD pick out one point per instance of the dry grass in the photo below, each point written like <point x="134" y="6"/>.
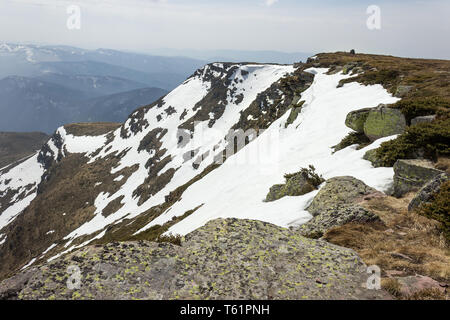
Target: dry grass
<point x="443" y="163"/>
<point x="404" y="241"/>
<point x="91" y="128"/>
<point x="18" y="145"/>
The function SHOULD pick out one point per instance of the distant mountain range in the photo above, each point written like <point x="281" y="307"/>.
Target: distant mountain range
<point x="30" y="104"/>
<point x="266" y="56"/>
<point x="35" y="60"/>
<point x="44" y="87"/>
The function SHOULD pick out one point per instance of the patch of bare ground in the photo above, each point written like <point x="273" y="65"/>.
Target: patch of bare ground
<point x="91" y="129"/>
<point x="404" y="243"/>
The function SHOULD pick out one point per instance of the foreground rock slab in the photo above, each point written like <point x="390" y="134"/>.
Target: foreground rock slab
<point x="225" y="259"/>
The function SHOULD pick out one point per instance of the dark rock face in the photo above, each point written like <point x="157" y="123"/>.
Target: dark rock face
<point x="411" y="175"/>
<point x="336" y="204"/>
<point x="225" y="259"/>
<point x="428" y="191"/>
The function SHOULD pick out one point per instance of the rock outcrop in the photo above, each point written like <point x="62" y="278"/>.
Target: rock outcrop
<point x="411" y="175"/>
<point x="338" y="203"/>
<point x="428" y="191"/>
<point x="225" y="259"/>
<point x="377" y="122"/>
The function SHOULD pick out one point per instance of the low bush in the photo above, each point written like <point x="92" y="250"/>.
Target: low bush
<point x="427" y="140"/>
<point x="310" y="174"/>
<point x="415" y="107"/>
<point x="352" y="138"/>
<point x="439" y="209"/>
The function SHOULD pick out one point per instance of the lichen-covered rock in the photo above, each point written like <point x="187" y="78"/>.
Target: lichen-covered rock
<point x="340" y="191"/>
<point x="355" y="119"/>
<point x="427" y="192"/>
<point x="411" y="175"/>
<point x="384" y="122"/>
<point x="225" y="259"/>
<point x="423" y="119"/>
<point x="337" y="216"/>
<point x="336" y="204"/>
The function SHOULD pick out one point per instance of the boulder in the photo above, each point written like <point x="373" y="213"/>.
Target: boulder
<point x="402" y="91"/>
<point x="427" y="192"/>
<point x="336" y="204"/>
<point x="411" y="175"/>
<point x="334" y="217"/>
<point x="355" y="120"/>
<point x="423" y="119"/>
<point x="227" y="259"/>
<point x="384" y="122"/>
<point x="340" y="192"/>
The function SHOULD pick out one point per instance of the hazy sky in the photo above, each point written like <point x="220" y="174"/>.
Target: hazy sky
<point x="408" y="28"/>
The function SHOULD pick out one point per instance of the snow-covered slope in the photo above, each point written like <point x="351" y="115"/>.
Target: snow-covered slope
<point x="168" y="145"/>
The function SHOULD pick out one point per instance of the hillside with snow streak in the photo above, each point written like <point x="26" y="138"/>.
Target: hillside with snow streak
<point x="163" y="166"/>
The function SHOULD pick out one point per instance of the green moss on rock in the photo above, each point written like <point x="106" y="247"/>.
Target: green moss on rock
<point x="384" y="122"/>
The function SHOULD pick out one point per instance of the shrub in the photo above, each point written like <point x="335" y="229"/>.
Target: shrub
<point x="429" y="140"/>
<point x="387" y="78"/>
<point x="352" y="138"/>
<point x="309" y="174"/>
<point x="176" y="240"/>
<point x="439" y="209"/>
<point x="415" y="107"/>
